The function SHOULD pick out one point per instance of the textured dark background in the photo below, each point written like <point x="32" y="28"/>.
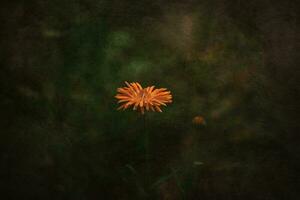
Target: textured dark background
<point x="232" y="62"/>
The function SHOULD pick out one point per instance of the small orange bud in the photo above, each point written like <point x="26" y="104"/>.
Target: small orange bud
<point x="199" y="120"/>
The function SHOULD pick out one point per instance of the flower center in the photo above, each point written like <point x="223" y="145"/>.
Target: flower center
<point x="142" y="96"/>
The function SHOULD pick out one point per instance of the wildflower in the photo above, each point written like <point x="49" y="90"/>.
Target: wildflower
<point x="142" y="99"/>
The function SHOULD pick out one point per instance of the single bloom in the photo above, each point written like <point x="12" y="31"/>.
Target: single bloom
<point x="141" y="99"/>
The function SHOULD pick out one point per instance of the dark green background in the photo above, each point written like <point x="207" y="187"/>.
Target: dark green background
<point x="232" y="62"/>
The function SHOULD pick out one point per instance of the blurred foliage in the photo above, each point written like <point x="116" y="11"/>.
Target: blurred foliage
<point x="231" y="133"/>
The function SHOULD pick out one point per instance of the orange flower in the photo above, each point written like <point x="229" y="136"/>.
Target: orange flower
<point x="143" y="98"/>
<point x="199" y="120"/>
